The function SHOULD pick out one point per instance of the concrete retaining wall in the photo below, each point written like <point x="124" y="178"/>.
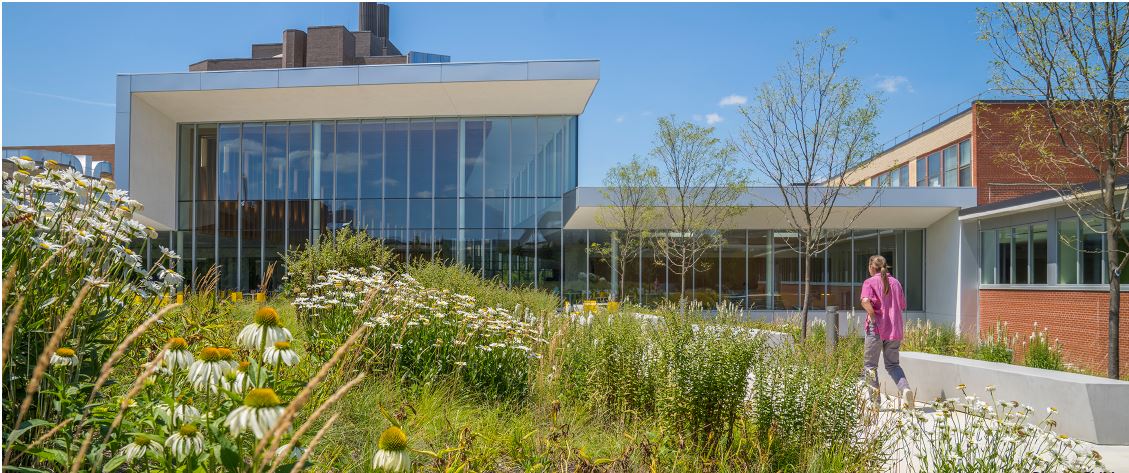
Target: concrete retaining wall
<point x="1090" y="408"/>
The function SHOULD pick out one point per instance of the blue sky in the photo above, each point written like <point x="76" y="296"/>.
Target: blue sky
<point x="59" y="60"/>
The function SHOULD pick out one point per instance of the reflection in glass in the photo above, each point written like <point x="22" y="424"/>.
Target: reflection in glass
<point x="274" y="162"/>
<point x="446" y="158"/>
<point x="1039" y="253"/>
<point x="1092" y="252"/>
<point x="252" y="180"/>
<point x="347" y="160"/>
<point x="583" y="269"/>
<point x="421" y="159"/>
<point x="323" y="161"/>
<point x="228" y="158"/>
<point x="523" y="157"/>
<point x="396" y="159"/>
<point x="734" y="287"/>
<point x="474" y="158"/>
<point x="497" y="162"/>
<point x="372" y="160"/>
<point x="1068" y="245"/>
<point x="298" y="152"/>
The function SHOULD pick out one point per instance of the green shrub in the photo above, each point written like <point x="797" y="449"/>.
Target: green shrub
<point x="937" y="339"/>
<point x="490" y="293"/>
<point x="706" y="373"/>
<point x="608" y="363"/>
<point x="420" y="335"/>
<point x="341" y="250"/>
<point x="1042" y="353"/>
<point x="996" y="347"/>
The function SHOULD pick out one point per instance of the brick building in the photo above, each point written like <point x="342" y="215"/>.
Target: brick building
<point x="321" y="46"/>
<point x="1024" y="257"/>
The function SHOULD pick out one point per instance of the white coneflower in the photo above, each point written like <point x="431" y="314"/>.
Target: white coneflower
<point x="264" y="331"/>
<point x="237" y="380"/>
<point x="280" y="353"/>
<point x="183" y="413"/>
<point x="186" y="442"/>
<point x="392" y="456"/>
<point x="209" y="369"/>
<point x="259" y="412"/>
<point x="64" y="357"/>
<point x="177" y="357"/>
<point x="140" y="447"/>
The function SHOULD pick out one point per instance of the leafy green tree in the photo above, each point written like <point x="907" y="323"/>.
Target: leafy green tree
<point x="807" y="128"/>
<point x="630" y="190"/>
<point x="700" y="181"/>
<point x="1071" y="61"/>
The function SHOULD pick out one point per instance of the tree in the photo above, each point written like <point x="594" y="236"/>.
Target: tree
<point x="630" y="189"/>
<point x="1071" y="61"/>
<point x="699" y="184"/>
<point x="807" y="128"/>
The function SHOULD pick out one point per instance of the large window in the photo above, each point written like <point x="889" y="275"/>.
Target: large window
<point x="430" y="187"/>
<point x="897" y="177"/>
<point x="1081" y="252"/>
<point x="949" y="167"/>
<point x="1014" y="255"/>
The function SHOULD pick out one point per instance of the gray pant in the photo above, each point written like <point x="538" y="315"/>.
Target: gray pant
<point x="889" y="349"/>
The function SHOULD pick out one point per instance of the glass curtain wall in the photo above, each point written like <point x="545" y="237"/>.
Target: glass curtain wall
<point x="754" y="269"/>
<point x="484" y="191"/>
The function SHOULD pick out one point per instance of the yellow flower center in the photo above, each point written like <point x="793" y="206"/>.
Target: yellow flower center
<point x="261" y="397"/>
<point x="210" y="354"/>
<point x="189" y="430"/>
<point x="393" y="439"/>
<point x="243" y="365"/>
<point x="141" y="440"/>
<point x="177" y="343"/>
<point x="225" y="353"/>
<point x="282" y="345"/>
<point x="267" y="316"/>
<point x="65" y="352"/>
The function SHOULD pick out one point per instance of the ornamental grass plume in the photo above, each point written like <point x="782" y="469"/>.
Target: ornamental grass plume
<point x="392" y="455"/>
<point x="264" y="331"/>
<point x="260" y="412"/>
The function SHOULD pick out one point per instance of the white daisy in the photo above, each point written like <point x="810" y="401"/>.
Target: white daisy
<point x="264" y="331"/>
<point x="177" y="357"/>
<point x="64" y="357"/>
<point x="392" y="456"/>
<point x="209" y="369"/>
<point x="140" y="447"/>
<point x="186" y="442"/>
<point x="280" y="353"/>
<point x="260" y="411"/>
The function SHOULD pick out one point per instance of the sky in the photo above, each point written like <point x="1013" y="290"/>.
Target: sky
<point x="696" y="61"/>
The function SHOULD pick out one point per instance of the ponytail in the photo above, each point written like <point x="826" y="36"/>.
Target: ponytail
<point x="879" y="262"/>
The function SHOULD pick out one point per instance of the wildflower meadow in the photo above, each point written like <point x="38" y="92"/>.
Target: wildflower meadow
<point x="362" y="362"/>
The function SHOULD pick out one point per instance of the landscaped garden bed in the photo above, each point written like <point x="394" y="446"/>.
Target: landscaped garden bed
<point x="364" y="363"/>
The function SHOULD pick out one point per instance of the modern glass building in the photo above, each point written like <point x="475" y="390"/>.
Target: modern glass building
<point x="472" y="163"/>
<point x="480" y="191"/>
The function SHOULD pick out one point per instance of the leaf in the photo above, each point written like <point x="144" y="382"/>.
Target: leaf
<point x="114" y="463"/>
<point x="230" y="459"/>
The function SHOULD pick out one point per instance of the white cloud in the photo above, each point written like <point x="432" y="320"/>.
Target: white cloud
<point x="620" y="119"/>
<point x="893" y="84"/>
<point x="733" y="99"/>
<point x="712" y="118"/>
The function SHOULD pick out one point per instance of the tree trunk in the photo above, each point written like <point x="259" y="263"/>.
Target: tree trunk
<point x="806" y="294"/>
<point x="1112" y="231"/>
<point x="682" y="290"/>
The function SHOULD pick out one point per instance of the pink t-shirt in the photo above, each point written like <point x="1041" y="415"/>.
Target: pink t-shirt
<point x="888" y="307"/>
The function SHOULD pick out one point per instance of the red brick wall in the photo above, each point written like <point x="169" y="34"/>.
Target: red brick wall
<point x="1077" y="319"/>
<point x="994" y="137"/>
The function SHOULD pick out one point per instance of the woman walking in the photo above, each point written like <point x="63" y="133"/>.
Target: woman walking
<point x="884" y="301"/>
